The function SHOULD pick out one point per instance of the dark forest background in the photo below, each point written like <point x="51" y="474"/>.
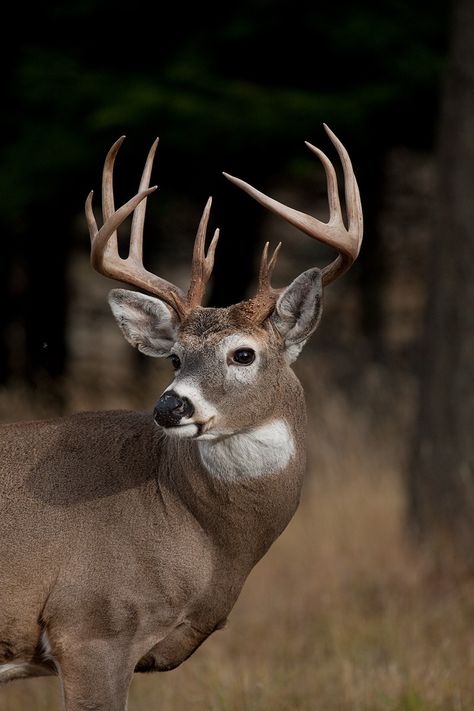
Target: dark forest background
<point x="238" y="88"/>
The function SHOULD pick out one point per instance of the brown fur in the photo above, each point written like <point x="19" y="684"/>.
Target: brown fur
<point x="118" y="543"/>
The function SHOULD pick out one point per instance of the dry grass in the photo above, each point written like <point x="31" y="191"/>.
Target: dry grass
<point x="341" y="614"/>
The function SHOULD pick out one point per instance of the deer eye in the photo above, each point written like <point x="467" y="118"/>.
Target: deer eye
<point x="175" y="361"/>
<point x="243" y="356"/>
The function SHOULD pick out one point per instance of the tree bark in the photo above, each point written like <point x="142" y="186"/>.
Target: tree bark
<point x="441" y="476"/>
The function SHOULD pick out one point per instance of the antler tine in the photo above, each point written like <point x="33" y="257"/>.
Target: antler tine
<point x="333" y="233"/>
<point x="90" y="217"/>
<point x="138" y="222"/>
<point x="104" y="252"/>
<point x="101" y="238"/>
<point x="266" y="268"/>
<point x="202" y="263"/>
<point x="331" y="178"/>
<point x="108" y="207"/>
<point x="262" y="304"/>
<point x="353" y="202"/>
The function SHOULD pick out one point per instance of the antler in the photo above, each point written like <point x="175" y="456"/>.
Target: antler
<point x="202" y="263"/>
<point x="334" y="233"/>
<point x="263" y="303"/>
<point x="104" y="249"/>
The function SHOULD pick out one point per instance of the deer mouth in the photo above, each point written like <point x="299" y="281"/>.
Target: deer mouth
<point x="189" y="430"/>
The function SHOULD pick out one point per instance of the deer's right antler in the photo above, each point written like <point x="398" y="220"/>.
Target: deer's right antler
<point x="105" y="257"/>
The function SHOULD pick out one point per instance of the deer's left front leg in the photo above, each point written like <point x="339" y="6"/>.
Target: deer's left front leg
<point x="95" y="674"/>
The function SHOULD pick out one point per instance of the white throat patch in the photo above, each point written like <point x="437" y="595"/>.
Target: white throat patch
<point x="259" y="451"/>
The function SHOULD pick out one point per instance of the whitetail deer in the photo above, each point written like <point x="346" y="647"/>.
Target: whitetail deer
<point x="126" y="539"/>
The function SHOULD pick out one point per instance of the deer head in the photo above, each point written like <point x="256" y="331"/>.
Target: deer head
<point x="230" y="363"/>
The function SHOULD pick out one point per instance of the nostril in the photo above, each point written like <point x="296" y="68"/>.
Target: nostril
<point x="186" y="408"/>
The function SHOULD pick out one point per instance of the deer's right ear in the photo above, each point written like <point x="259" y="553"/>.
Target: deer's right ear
<point x="146" y="322"/>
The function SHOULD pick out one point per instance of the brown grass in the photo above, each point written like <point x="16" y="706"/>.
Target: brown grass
<point x="341" y="614"/>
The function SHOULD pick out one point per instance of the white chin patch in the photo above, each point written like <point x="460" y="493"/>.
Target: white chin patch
<point x="183" y="431"/>
<point x="256" y="452"/>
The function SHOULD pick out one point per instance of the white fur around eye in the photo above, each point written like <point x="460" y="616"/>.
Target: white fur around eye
<point x="245" y="374"/>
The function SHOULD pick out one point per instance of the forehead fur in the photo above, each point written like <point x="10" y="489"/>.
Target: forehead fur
<point x="213" y="324"/>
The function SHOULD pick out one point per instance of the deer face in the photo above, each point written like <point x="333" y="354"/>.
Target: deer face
<point x="229" y="371"/>
<point x="220" y="375"/>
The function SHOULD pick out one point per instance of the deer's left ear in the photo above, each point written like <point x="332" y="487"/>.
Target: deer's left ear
<point x="298" y="311"/>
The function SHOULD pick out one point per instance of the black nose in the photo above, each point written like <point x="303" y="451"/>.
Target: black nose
<point x="170" y="408"/>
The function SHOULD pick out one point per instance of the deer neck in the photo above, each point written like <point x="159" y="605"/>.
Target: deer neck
<point x="245" y="487"/>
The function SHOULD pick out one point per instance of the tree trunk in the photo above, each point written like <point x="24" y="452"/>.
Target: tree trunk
<point x="441" y="477"/>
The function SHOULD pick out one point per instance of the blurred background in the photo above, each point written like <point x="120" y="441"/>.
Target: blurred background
<point x="367" y="600"/>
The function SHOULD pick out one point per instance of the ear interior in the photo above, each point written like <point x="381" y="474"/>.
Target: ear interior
<point x="298" y="311"/>
<point x="146" y="322"/>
